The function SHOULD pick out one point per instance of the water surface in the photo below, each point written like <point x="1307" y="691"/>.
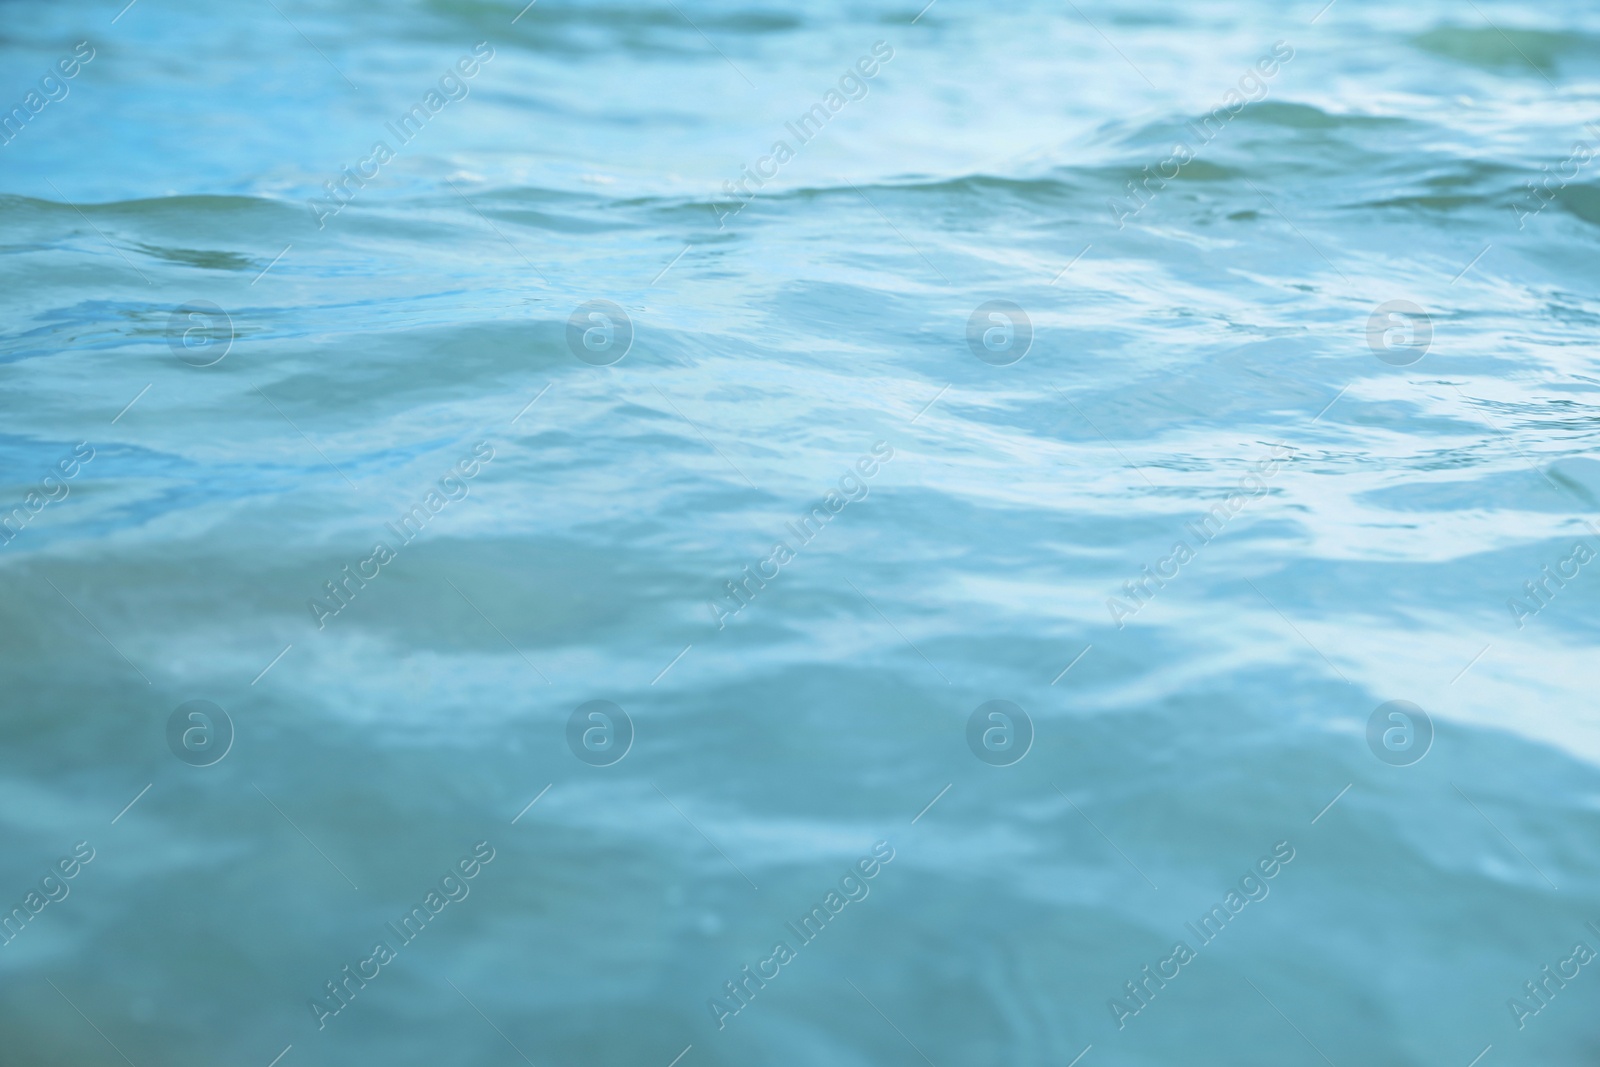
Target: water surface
<point x="1203" y="367"/>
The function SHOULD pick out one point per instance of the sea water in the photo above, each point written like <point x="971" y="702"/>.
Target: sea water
<point x="724" y="532"/>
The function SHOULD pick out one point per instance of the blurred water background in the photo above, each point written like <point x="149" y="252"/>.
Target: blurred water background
<point x="1219" y="329"/>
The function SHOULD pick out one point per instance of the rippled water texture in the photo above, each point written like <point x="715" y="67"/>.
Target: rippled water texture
<point x="1083" y="551"/>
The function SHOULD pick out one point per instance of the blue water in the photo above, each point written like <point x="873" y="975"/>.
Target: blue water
<point x="1013" y="507"/>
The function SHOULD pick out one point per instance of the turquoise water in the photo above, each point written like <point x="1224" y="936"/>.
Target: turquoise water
<point x="933" y="575"/>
